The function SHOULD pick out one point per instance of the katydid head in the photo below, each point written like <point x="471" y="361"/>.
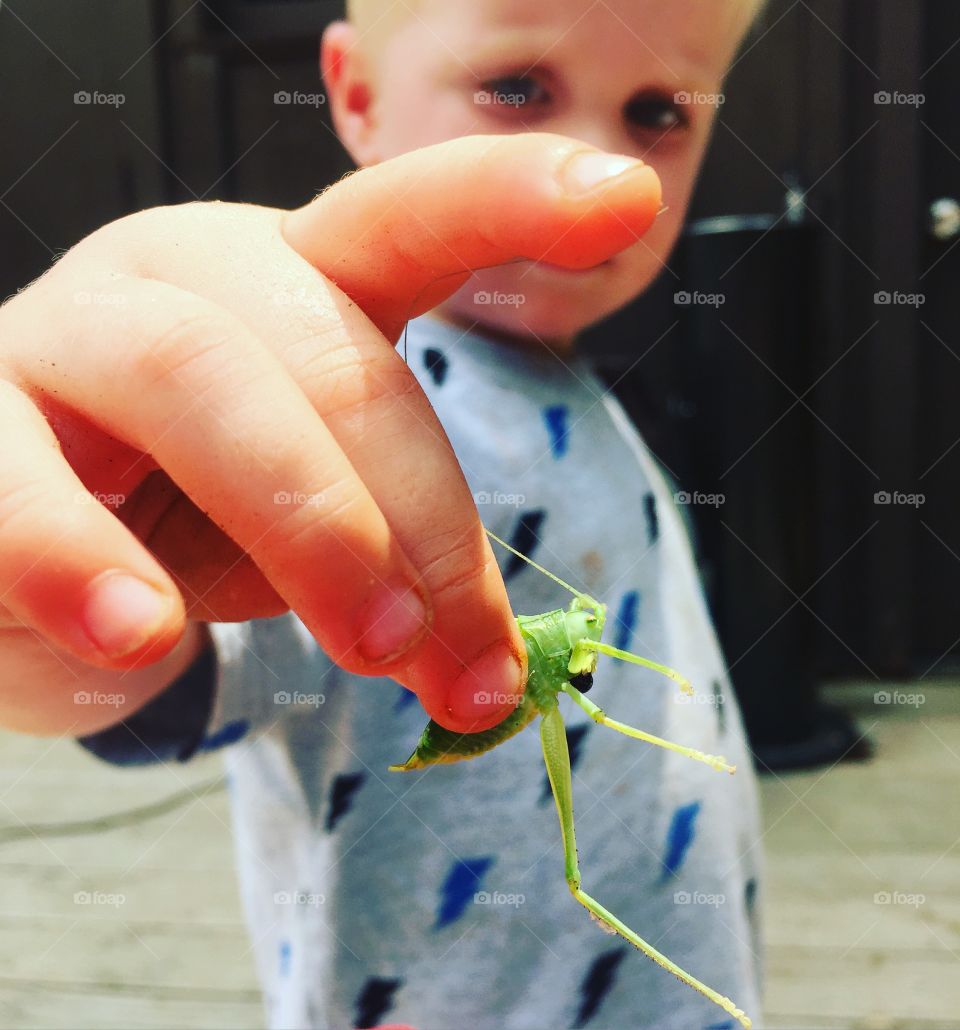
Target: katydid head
<point x="584" y="621"/>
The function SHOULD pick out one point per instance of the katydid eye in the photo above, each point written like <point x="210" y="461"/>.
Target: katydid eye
<point x="514" y="91"/>
<point x="654" y="111"/>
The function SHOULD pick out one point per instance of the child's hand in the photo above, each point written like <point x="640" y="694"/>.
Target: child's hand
<point x="221" y="379"/>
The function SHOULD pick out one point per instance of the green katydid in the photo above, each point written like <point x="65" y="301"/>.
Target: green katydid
<point x="562" y="648"/>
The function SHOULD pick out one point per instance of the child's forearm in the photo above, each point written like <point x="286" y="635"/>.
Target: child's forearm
<point x="47" y="692"/>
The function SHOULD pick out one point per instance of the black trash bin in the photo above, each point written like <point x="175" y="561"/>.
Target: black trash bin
<point x="721" y="403"/>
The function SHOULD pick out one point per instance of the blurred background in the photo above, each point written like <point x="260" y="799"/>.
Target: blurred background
<point x="793" y="369"/>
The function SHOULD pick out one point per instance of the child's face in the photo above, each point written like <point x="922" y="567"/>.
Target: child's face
<point x="607" y="74"/>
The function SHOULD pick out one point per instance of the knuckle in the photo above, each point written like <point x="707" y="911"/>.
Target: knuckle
<point x="194" y="347"/>
<point x="116" y="243"/>
<point x="405" y="251"/>
<point x="455" y="569"/>
<point x="20" y="503"/>
<point x="345" y="381"/>
<point x="308" y="523"/>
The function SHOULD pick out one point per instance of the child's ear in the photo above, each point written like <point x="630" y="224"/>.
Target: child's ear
<point x="345" y="70"/>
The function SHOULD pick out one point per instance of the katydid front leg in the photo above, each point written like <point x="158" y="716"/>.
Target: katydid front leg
<point x="553" y="738"/>
<point x="627" y="656"/>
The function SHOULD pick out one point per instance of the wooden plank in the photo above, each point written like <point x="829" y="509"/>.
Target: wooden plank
<point x="862" y="988"/>
<point x="114" y="879"/>
<point x="102" y="949"/>
<point x="146" y="895"/>
<point x="38" y="1005"/>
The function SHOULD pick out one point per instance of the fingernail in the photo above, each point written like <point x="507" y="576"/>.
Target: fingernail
<point x="591" y="168"/>
<point x="392" y="623"/>
<point x="121" y="613"/>
<point x="490" y="684"/>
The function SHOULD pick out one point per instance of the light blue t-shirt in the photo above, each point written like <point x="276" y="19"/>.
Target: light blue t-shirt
<point x="437" y="898"/>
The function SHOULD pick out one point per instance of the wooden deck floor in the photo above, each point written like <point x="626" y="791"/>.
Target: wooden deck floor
<point x="118" y="905"/>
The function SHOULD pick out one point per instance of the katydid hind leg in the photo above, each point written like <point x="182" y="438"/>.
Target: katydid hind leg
<point x="610" y="920"/>
<point x="557" y="759"/>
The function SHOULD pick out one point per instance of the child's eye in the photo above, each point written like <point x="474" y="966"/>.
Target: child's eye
<point x="653" y="111"/>
<point x="518" y="91"/>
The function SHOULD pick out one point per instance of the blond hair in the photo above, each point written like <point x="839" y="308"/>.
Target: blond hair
<point x="375" y="20"/>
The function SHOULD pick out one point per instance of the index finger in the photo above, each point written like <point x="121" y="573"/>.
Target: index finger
<point x="466" y="204"/>
<point x="394" y="238"/>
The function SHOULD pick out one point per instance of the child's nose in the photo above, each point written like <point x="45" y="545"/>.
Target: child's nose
<point x="597" y="130"/>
